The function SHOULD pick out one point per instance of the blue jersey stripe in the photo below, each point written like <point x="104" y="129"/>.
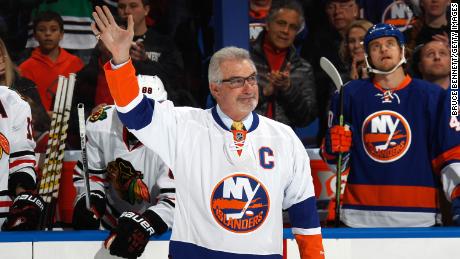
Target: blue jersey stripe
<point x="301" y="215"/>
<point x="182" y="250"/>
<point x="215" y="115"/>
<point x="255" y="122"/>
<point x="217" y="118"/>
<point x="140" y="116"/>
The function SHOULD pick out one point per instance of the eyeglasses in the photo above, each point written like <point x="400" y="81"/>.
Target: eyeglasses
<point x="331" y="7"/>
<point x="237" y="82"/>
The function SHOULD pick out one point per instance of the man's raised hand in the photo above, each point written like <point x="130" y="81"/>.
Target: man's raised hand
<point x="117" y="40"/>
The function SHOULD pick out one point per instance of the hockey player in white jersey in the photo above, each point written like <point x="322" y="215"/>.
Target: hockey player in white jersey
<point x="20" y="207"/>
<point x="127" y="181"/>
<point x="235" y="171"/>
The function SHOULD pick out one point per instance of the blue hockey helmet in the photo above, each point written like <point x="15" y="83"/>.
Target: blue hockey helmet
<point x="383" y="30"/>
<point x="378" y="31"/>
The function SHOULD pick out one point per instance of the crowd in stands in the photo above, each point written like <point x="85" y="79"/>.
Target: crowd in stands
<point x="41" y="40"/>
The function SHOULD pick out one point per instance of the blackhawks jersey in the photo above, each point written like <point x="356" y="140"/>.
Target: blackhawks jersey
<point x="107" y="140"/>
<point x="16" y="143"/>
<point x="404" y="147"/>
<point x="229" y="203"/>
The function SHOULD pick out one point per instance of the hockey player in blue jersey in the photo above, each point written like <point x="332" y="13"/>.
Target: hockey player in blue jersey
<point x="398" y="142"/>
<point x="234" y="171"/>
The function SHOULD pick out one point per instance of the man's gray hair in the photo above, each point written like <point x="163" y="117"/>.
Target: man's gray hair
<point x="286" y="4"/>
<point x="224" y="54"/>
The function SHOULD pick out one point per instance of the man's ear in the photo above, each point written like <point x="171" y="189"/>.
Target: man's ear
<point x="147" y="10"/>
<point x="355" y="10"/>
<point x="266" y="27"/>
<point x="215" y="90"/>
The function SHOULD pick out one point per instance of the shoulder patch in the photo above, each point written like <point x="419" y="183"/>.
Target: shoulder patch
<point x="4" y="145"/>
<point x="99" y="115"/>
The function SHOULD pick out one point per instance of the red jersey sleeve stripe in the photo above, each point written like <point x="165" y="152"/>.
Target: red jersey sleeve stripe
<point x="5" y="203"/>
<point x="97" y="179"/>
<point x="18" y="162"/>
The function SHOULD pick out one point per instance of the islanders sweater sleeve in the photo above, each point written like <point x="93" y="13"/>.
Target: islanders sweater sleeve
<point x="153" y="123"/>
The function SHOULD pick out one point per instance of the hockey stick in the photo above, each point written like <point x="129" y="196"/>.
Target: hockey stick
<point x="385" y="146"/>
<point x="44" y="187"/>
<point x="49" y="185"/>
<point x="332" y="72"/>
<point x="54" y="128"/>
<point x="246" y="206"/>
<point x="82" y="127"/>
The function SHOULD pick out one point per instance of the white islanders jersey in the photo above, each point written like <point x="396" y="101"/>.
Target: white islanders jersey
<point x="228" y="204"/>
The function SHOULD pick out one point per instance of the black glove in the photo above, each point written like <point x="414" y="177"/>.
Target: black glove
<point x="25" y="212"/>
<point x="131" y="235"/>
<point x="83" y="218"/>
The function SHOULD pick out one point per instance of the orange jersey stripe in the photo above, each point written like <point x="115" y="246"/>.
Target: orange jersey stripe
<point x="397" y="22"/>
<point x="406" y="81"/>
<point x="310" y="246"/>
<point x="396" y="196"/>
<point x="451" y="154"/>
<point x="122" y="83"/>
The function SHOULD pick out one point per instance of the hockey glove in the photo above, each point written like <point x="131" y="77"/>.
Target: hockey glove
<point x="338" y="139"/>
<point x="456" y="211"/>
<point x="131" y="235"/>
<point x="89" y="219"/>
<point x="24" y="213"/>
<point x="127" y="181"/>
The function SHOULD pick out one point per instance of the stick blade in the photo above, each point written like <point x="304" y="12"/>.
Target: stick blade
<point x="331" y="71"/>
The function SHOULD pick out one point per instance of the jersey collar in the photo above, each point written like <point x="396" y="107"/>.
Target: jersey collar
<point x="250" y="122"/>
<point x="405" y="82"/>
<point x="126" y="141"/>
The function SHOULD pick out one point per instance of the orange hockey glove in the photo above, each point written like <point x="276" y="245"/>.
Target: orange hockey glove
<point x="338" y="139"/>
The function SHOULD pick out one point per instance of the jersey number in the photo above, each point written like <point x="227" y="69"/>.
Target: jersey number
<point x="146" y="90"/>
<point x="29" y="128"/>
<point x="454" y="123"/>
<point x="2" y="111"/>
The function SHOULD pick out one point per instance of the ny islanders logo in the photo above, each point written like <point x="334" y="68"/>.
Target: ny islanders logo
<point x="386" y="136"/>
<point x="240" y="203"/>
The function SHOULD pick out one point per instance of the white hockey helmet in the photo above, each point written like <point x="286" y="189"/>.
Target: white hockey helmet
<point x="152" y="87"/>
